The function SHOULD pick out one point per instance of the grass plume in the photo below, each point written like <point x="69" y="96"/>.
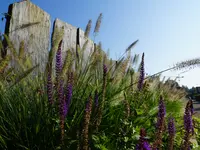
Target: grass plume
<point x="88" y="28"/>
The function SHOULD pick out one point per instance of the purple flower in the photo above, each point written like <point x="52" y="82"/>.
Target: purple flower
<point x="105" y="69"/>
<point x="96" y="99"/>
<point x="160" y="124"/>
<point x="50" y="88"/>
<point x="88" y="106"/>
<point x="65" y="109"/>
<point x="146" y="146"/>
<point x="62" y="108"/>
<point x="58" y="60"/>
<point x="171" y="131"/>
<point x="188" y="116"/>
<point x="188" y="123"/>
<point x="61" y="98"/>
<point x="161" y="113"/>
<point x="68" y="97"/>
<point x="85" y="130"/>
<point x="171" y="127"/>
<point x="191" y="107"/>
<point x="141" y="78"/>
<point x="142" y="144"/>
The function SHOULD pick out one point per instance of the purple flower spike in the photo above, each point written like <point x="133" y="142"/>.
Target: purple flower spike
<point x="105" y="69"/>
<point x="64" y="107"/>
<point x="162" y="110"/>
<point x="96" y="99"/>
<point x="161" y="113"/>
<point x="85" y="131"/>
<point x="171" y="131"/>
<point x="188" y="124"/>
<point x="143" y="144"/>
<point x="141" y="78"/>
<point x="88" y="105"/>
<point x="61" y="98"/>
<point x="191" y="107"/>
<point x="68" y="97"/>
<point x="188" y="116"/>
<point x="171" y="127"/>
<point x="59" y="60"/>
<point x="160" y="124"/>
<point x="146" y="146"/>
<point x="50" y="88"/>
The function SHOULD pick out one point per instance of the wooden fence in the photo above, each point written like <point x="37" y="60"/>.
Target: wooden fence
<point x="29" y="23"/>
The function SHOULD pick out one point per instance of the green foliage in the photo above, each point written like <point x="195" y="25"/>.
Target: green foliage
<point x="197" y="129"/>
<point x="26" y="122"/>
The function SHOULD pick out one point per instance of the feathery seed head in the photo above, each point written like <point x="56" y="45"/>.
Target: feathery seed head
<point x="98" y="24"/>
<point x="88" y="28"/>
<point x="187" y="64"/>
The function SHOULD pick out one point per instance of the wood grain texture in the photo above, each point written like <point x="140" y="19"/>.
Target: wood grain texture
<point x="30" y="24"/>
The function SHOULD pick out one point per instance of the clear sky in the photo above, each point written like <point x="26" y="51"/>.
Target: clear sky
<point x="168" y="30"/>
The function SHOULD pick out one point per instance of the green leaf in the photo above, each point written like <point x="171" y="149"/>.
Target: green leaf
<point x="153" y="111"/>
<point x="126" y="139"/>
<point x="37" y="128"/>
<point x="3" y="142"/>
<point x="139" y="111"/>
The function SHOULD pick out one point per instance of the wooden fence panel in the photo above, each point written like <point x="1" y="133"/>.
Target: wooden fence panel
<point x="30" y="24"/>
<point x="89" y="47"/>
<point x="69" y="37"/>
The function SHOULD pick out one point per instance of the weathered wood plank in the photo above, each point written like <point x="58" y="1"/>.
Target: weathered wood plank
<point x="69" y="37"/>
<point x="89" y="47"/>
<point x="30" y="24"/>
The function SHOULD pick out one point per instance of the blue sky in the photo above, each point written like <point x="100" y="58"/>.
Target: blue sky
<point x="168" y="31"/>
